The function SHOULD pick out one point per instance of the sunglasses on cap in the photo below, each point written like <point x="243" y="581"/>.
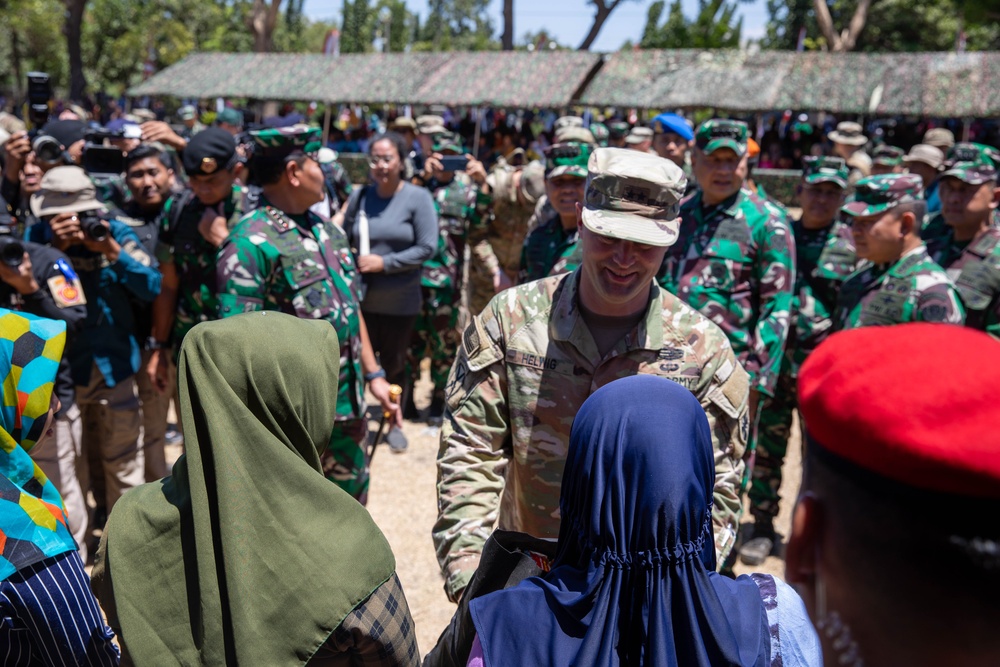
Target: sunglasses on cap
<point x="569" y="154"/>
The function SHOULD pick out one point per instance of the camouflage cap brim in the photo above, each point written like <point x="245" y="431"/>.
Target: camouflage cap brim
<point x="631" y="226"/>
<point x="971" y="175"/>
<point x="860" y="209"/>
<point x="567" y="170"/>
<point x="825" y="178"/>
<point x="715" y="144"/>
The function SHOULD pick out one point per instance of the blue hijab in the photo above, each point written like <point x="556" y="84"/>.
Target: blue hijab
<point x="634" y="579"/>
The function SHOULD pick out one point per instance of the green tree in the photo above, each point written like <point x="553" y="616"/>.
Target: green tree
<point x="715" y="27"/>
<point x="31" y="41"/>
<point x="457" y="25"/>
<point x="355" y="35"/>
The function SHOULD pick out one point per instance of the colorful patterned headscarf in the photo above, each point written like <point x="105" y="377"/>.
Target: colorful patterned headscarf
<point x="33" y="524"/>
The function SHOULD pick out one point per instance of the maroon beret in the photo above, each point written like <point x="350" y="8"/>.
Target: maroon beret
<point x="915" y="403"/>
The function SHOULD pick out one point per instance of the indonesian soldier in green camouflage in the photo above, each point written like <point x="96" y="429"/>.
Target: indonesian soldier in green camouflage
<point x="532" y="357"/>
<point x="284" y="257"/>
<point x="887" y="159"/>
<point x="193" y="225"/>
<point x="734" y="260"/>
<point x="898" y="282"/>
<point x="970" y="251"/>
<point x="435" y="333"/>
<point x="497" y="238"/>
<point x="551" y="246"/>
<point x="824" y="258"/>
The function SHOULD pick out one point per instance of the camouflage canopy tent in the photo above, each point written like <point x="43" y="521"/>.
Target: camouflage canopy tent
<point x="928" y="84"/>
<point x="514" y="79"/>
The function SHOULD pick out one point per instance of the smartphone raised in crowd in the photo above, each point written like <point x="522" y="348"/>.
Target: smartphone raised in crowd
<point x="454" y="162"/>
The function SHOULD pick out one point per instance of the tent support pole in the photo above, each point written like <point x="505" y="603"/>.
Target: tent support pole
<point x="326" y="124"/>
<point x="966" y="127"/>
<point x="475" y="138"/>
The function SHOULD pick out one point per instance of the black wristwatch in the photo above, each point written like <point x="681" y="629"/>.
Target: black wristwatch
<point x="153" y="344"/>
<point x="380" y="373"/>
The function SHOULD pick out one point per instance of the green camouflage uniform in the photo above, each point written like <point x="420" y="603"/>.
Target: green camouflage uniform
<point x="497" y="240"/>
<point x="734" y="264"/>
<point x="435" y="333"/>
<point x="302" y="265"/>
<point x="193" y="257"/>
<point x="526" y="365"/>
<point x="912" y="289"/>
<point x="824" y="258"/>
<point x="973" y="265"/>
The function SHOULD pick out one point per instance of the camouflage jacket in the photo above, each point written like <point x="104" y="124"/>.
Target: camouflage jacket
<point x="549" y="250"/>
<point x="338" y="183"/>
<point x="935" y="231"/>
<point x="181" y="244"/>
<point x="497" y="238"/>
<point x="456" y="208"/>
<point x="526" y="365"/>
<point x="824" y="258"/>
<point x="272" y="261"/>
<point x="914" y="289"/>
<point x="734" y="263"/>
<point x="974" y="267"/>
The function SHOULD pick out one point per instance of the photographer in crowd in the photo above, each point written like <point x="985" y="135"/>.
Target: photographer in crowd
<point x="113" y="268"/>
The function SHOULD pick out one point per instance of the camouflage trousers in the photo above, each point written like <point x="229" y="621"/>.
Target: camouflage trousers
<point x="435" y="335"/>
<point x="773" y="431"/>
<point x="345" y="461"/>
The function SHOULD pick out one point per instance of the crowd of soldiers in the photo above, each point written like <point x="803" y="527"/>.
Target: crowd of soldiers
<point x="208" y="223"/>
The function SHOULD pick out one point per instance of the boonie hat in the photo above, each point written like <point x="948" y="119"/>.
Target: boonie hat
<point x="971" y="163"/>
<point x="567" y="159"/>
<point x="574" y="133"/>
<point x="568" y="121"/>
<point x="866" y="399"/>
<point x="940" y="137"/>
<point x="889" y="156"/>
<point x="849" y="133"/>
<point x="929" y="155"/>
<point x="878" y="194"/>
<point x="671" y="122"/>
<point x="821" y="169"/>
<point x="722" y="133"/>
<point x="430" y="124"/>
<point x="638" y="135"/>
<point x="65" y="190"/>
<point x="209" y="151"/>
<point x="633" y="196"/>
<point x="404" y="123"/>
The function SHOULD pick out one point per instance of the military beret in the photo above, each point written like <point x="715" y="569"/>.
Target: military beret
<point x="971" y="163"/>
<point x="722" y="133"/>
<point x="671" y="122"/>
<point x="280" y="142"/>
<point x="208" y="152"/>
<point x="866" y="396"/>
<point x="817" y="169"/>
<point x="878" y="194"/>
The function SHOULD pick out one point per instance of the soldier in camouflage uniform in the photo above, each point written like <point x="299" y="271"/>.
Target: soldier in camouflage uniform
<point x="496" y="240"/>
<point x="617" y="131"/>
<point x="970" y="251"/>
<point x="551" y="246"/>
<point x="899" y="282"/>
<point x="291" y="260"/>
<point x="435" y="333"/>
<point x="601" y="134"/>
<point x="824" y="258"/>
<point x="734" y="262"/>
<point x="532" y="357"/>
<point x="887" y="159"/>
<point x="193" y="225"/>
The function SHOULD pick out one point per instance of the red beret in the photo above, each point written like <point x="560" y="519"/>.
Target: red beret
<point x="916" y="403"/>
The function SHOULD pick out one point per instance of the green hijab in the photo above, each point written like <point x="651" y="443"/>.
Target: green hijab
<point x="246" y="554"/>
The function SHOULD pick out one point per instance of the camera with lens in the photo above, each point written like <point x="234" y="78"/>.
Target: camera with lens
<point x="39" y="96"/>
<point x="92" y="226"/>
<point x="11" y="248"/>
<point x="47" y="150"/>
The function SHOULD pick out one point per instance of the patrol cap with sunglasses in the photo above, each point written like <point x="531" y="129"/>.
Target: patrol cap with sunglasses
<point x="877" y="194"/>
<point x="567" y="159"/>
<point x="275" y="143"/>
<point x="633" y="196"/>
<point x="825" y="170"/>
<point x="722" y="133"/>
<point x="971" y="163"/>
